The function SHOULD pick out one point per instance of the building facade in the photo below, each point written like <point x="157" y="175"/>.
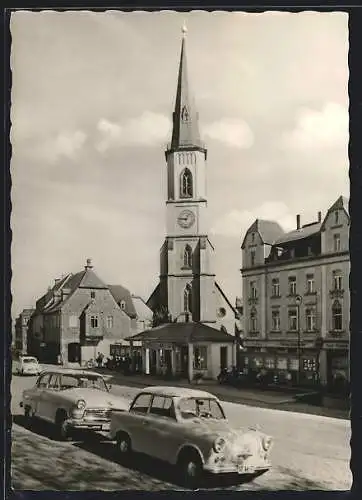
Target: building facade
<point x="79" y="317"/>
<point x="21" y="330"/>
<point x="296" y="298"/>
<point x="187" y="289"/>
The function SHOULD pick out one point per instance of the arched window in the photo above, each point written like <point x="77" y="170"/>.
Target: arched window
<point x="336" y="315"/>
<point x="253" y="320"/>
<point x="186" y="184"/>
<point x="188" y="299"/>
<point x="188" y="256"/>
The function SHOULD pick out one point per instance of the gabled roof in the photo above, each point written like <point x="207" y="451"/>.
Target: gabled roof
<point x="142" y="309"/>
<point x="183" y="333"/>
<point x="268" y="230"/>
<point x="342" y="203"/>
<point x="120" y="294"/>
<point x="299" y="234"/>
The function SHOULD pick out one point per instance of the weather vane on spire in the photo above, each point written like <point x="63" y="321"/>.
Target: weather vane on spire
<point x="184" y="29"/>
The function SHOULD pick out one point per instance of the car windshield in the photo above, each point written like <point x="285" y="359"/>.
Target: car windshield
<point x="201" y="408"/>
<point x="30" y="360"/>
<point x="83" y="381"/>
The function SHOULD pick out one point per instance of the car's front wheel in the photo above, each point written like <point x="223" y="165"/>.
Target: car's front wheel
<point x="28" y="416"/>
<point x="61" y="426"/>
<point x="124" y="446"/>
<point x="190" y="468"/>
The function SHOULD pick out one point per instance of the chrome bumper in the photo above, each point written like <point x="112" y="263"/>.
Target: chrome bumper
<point x="233" y="468"/>
<point x="95" y="425"/>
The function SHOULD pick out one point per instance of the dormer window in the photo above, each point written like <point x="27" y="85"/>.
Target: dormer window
<point x="122" y="305"/>
<point x="336" y="217"/>
<point x="186" y="189"/>
<point x="253" y="237"/>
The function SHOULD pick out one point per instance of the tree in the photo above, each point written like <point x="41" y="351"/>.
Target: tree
<point x="161" y="316"/>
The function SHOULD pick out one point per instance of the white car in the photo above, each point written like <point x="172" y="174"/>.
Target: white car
<point x="71" y="399"/>
<point x="28" y="365"/>
<point x="188" y="428"/>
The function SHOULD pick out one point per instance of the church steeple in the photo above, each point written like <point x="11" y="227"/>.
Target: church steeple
<point x="185" y="132"/>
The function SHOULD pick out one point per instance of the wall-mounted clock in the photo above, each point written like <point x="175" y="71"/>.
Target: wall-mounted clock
<point x="186" y="218"/>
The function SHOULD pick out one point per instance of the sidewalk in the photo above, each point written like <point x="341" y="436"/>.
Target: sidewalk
<point x="279" y="400"/>
<point x="275" y="399"/>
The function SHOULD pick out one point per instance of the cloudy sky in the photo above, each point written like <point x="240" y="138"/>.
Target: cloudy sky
<point x="92" y="100"/>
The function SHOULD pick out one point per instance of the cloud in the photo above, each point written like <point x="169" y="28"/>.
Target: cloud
<point x="67" y="145"/>
<point x="236" y="222"/>
<point x="233" y="132"/>
<point x="148" y="129"/>
<point x="319" y="129"/>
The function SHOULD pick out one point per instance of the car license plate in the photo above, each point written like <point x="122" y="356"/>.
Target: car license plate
<point x="245" y="469"/>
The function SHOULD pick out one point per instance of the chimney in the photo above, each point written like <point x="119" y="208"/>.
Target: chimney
<point x="298" y="221"/>
<point x="319" y="216"/>
<point x="89" y="264"/>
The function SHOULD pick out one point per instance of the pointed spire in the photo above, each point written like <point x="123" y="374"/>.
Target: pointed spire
<point x="185" y="133"/>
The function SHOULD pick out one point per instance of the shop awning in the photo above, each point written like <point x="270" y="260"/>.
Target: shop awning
<point x="183" y="333"/>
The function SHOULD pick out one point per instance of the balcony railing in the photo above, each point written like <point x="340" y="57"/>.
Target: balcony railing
<point x="336" y="293"/>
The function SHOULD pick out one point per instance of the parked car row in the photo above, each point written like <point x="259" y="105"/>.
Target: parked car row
<point x="190" y="426"/>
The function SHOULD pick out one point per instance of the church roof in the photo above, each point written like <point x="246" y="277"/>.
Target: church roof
<point x="183" y="333"/>
<point x="185" y="132"/>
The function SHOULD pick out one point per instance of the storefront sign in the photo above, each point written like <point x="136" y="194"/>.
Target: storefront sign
<point x="336" y="345"/>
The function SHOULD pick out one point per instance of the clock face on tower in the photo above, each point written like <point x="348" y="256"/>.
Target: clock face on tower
<point x="186" y="218"/>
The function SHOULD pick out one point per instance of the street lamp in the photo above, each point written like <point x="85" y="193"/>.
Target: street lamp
<point x="298" y="301"/>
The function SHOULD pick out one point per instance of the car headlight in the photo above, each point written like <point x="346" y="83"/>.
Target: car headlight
<point x="266" y="442"/>
<point x="219" y="444"/>
<point x="81" y="404"/>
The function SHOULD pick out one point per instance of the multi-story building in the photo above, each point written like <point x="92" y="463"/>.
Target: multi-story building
<point x="21" y="330"/>
<point x="296" y="297"/>
<point x="81" y="316"/>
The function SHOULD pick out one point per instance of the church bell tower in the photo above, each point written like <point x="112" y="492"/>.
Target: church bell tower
<point x="187" y="283"/>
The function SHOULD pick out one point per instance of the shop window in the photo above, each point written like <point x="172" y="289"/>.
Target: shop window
<point x="275" y="287"/>
<point x="270" y="363"/>
<point x="293" y="319"/>
<point x="337" y="316"/>
<point x="309" y="365"/>
<point x="200" y="357"/>
<point x="282" y="363"/>
<point x="293" y="364"/>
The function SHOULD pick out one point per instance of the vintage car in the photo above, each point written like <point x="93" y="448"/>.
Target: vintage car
<point x="188" y="428"/>
<point x="28" y="365"/>
<point x="71" y="399"/>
